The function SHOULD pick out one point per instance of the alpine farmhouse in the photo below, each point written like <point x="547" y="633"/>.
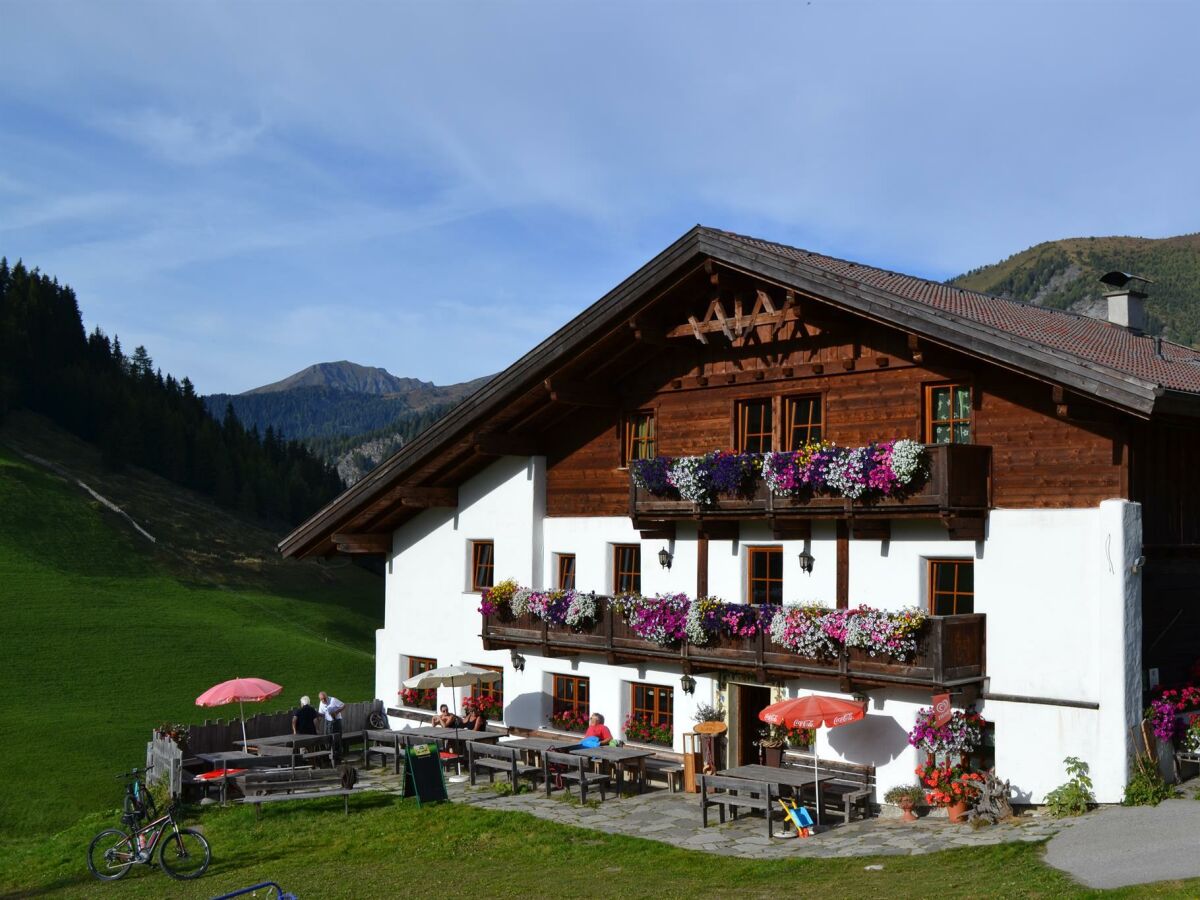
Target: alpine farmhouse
<point x="1051" y="538"/>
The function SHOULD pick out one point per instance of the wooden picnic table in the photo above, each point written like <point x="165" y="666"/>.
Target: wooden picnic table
<point x="533" y="748"/>
<point x="285" y="740"/>
<point x="796" y="778"/>
<point x="226" y="759"/>
<point x="619" y="757"/>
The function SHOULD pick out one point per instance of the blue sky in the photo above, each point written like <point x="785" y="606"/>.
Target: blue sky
<point x="249" y="188"/>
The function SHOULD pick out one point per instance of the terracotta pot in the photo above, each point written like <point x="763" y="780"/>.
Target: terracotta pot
<point x="906" y="807"/>
<point x="957" y="812"/>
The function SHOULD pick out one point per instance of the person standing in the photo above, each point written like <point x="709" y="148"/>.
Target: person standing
<point x="304" y="721"/>
<point x="331" y="710"/>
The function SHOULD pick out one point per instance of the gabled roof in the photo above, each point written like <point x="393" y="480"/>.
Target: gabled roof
<point x="1096" y="359"/>
<point x="1157" y="361"/>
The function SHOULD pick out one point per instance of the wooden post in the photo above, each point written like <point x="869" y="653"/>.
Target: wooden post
<point x="843" y="564"/>
<point x="701" y="566"/>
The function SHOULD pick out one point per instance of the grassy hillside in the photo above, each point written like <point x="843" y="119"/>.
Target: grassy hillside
<point x="107" y="634"/>
<point x="1066" y="275"/>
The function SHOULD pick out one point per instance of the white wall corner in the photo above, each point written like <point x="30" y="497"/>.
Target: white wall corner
<point x="537" y="474"/>
<point x="1119" y="644"/>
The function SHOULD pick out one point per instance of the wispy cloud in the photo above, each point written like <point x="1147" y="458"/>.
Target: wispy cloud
<point x="179" y="138"/>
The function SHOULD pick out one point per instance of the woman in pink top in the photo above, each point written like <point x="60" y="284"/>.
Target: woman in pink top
<point x="597" y="728"/>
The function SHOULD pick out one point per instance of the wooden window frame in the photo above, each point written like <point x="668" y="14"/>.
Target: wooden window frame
<point x="477" y="586"/>
<point x="928" y="412"/>
<point x="655" y="710"/>
<point x="617" y="571"/>
<point x="753" y="551"/>
<point x="559" y="705"/>
<point x="627" y="434"/>
<point x="739" y="433"/>
<point x="417" y="665"/>
<point x="785" y="436"/>
<point x="559" y="559"/>
<point x="933" y="592"/>
<point x="489" y="688"/>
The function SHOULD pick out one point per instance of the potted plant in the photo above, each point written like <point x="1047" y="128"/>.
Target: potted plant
<point x="950" y="787"/>
<point x="905" y="796"/>
<point x="771" y="742"/>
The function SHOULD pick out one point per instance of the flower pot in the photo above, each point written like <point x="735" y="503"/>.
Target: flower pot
<point x="772" y="756"/>
<point x="957" y="812"/>
<point x="906" y="809"/>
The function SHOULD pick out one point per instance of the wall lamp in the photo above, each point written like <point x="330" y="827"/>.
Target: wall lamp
<point x="664" y="558"/>
<point x="518" y="660"/>
<point x="806" y="562"/>
<point x="688" y="683"/>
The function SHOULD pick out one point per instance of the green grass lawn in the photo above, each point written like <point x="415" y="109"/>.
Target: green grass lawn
<point x="387" y="847"/>
<point x="106" y="636"/>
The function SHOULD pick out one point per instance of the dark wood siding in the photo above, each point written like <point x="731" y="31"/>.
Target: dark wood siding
<point x="872" y="390"/>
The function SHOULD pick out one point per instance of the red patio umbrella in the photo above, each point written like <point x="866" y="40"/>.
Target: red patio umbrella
<point x="239" y="691"/>
<point x="813" y="711"/>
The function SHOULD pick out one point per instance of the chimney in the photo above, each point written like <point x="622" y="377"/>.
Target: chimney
<point x="1126" y="304"/>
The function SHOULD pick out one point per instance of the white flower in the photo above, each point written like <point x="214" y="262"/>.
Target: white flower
<point x="908" y="460"/>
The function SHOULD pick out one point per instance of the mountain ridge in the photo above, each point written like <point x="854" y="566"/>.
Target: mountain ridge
<point x="1065" y="274"/>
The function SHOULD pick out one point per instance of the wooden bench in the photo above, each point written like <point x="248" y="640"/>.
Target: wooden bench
<point x="568" y="767"/>
<point x="852" y="787"/>
<point x="493" y="759"/>
<point x="269" y="786"/>
<point x="737" y="792"/>
<point x="670" y="769"/>
<point x="387" y="745"/>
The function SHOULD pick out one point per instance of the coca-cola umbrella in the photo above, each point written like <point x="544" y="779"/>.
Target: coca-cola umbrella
<point x="813" y="711"/>
<point x="239" y="691"/>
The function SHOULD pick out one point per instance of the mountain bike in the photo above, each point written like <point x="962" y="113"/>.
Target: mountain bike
<point x="139" y="802"/>
<point x="182" y="852"/>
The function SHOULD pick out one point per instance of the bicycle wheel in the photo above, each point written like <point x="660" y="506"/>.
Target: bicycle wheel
<point x="110" y="854"/>
<point x="185" y="854"/>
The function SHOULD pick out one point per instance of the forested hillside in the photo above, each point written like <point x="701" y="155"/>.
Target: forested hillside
<point x="1066" y="274"/>
<point x="138" y="415"/>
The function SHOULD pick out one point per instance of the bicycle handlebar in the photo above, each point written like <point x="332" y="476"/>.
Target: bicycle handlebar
<point x="133" y="773"/>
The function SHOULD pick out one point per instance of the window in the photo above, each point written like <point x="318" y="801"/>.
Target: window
<point x="566" y="572"/>
<point x="802" y="421"/>
<point x="482" y="564"/>
<point x="651" y="714"/>
<point x="422" y="699"/>
<point x="627" y="568"/>
<point x="755" y="424"/>
<point x="765" y="567"/>
<point x="570" y="702"/>
<point x="490" y="690"/>
<point x="948" y="414"/>
<point x="951" y="586"/>
<point x="639" y="436"/>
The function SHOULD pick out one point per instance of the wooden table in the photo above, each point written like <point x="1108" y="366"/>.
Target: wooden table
<point x="533" y="748"/>
<point x="795" y="778"/>
<point x="618" y="757"/>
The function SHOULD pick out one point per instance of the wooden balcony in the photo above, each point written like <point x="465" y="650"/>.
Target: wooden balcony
<point x="951" y="652"/>
<point x="957" y="491"/>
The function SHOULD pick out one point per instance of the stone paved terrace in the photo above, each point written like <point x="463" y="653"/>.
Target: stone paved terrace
<point x="675" y="819"/>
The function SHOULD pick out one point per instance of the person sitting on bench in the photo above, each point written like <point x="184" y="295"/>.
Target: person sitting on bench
<point x="447" y="719"/>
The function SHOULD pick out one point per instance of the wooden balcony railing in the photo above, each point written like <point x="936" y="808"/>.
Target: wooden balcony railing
<point x="951" y="651"/>
<point x="959" y="483"/>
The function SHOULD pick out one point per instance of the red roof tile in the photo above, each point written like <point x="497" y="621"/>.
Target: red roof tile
<point x="1090" y="340"/>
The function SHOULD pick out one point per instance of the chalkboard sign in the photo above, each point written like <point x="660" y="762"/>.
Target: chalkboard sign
<point x="423" y="776"/>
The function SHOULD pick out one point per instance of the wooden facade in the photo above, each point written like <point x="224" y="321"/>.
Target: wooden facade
<point x="871" y="388"/>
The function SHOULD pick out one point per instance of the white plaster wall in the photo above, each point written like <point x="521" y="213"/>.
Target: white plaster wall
<point x="1063" y="617"/>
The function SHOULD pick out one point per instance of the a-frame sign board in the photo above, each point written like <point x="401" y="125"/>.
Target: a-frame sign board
<point x="423" y="775"/>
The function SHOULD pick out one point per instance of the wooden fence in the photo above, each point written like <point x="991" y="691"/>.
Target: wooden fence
<point x="164" y="759"/>
<point x="218" y="735"/>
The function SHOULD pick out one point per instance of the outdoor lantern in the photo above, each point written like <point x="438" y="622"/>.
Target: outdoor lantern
<point x="664" y="558"/>
<point x="518" y="660"/>
<point x="688" y="683"/>
<point x="806" y="562"/>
